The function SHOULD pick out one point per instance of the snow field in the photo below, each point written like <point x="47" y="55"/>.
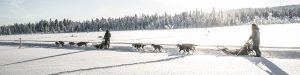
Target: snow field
<point x="41" y="61"/>
<point x="39" y="56"/>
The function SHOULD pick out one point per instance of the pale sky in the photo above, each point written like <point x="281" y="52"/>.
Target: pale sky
<point x="24" y="11"/>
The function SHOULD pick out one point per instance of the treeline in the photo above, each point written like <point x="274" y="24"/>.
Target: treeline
<point x="191" y="19"/>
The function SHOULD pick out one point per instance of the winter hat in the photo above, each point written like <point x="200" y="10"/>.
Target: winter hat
<point x="254" y="26"/>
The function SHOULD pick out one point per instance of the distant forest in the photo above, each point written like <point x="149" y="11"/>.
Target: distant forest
<point x="191" y="19"/>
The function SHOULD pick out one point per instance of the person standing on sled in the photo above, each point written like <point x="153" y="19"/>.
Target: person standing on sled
<point x="107" y="36"/>
<point x="255" y="38"/>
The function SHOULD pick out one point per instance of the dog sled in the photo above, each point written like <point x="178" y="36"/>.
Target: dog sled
<point x="245" y="50"/>
<point x="102" y="45"/>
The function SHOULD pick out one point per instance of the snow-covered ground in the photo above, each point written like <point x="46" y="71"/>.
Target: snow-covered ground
<point x="39" y="55"/>
<point x="42" y="61"/>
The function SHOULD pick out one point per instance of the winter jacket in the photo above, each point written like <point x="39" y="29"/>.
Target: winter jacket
<point x="255" y="36"/>
<point x="107" y="35"/>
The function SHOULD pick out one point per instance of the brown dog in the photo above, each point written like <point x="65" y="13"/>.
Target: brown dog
<point x="59" y="43"/>
<point x="159" y="47"/>
<point x="186" y="47"/>
<point x="79" y="44"/>
<point x="138" y="46"/>
<point x="71" y="43"/>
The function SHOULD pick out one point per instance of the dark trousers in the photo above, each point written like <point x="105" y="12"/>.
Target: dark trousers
<point x="107" y="42"/>
<point x="257" y="51"/>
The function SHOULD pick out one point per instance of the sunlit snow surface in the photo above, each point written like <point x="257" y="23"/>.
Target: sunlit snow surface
<point x="43" y="61"/>
<point x="277" y="35"/>
<point x="40" y="56"/>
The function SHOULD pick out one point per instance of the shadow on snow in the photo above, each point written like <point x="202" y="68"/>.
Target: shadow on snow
<point x="273" y="69"/>
<point x="44" y="58"/>
<point x="120" y="65"/>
